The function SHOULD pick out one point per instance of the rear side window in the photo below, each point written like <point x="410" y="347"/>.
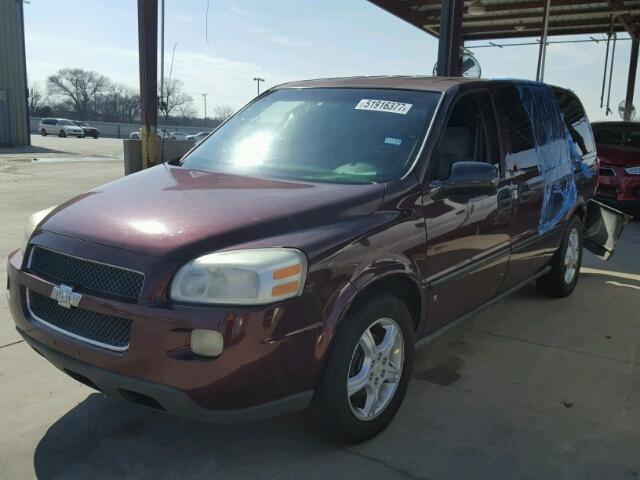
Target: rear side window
<point x="521" y="145"/>
<point x="575" y="118"/>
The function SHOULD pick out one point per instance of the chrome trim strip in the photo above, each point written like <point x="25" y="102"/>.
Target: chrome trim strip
<point x="72" y="335"/>
<point x="427" y="135"/>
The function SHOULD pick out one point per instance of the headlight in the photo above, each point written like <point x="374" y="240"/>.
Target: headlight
<point x="33" y="222"/>
<point x="633" y="170"/>
<point x="242" y="277"/>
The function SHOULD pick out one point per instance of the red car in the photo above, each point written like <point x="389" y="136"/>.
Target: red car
<point x="294" y="258"/>
<point x="618" y="145"/>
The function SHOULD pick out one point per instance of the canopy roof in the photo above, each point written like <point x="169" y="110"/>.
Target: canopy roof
<point x="523" y="18"/>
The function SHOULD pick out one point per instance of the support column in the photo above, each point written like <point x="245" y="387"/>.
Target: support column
<point x="631" y="81"/>
<point x="148" y="59"/>
<point x="450" y="42"/>
<point x="542" y="54"/>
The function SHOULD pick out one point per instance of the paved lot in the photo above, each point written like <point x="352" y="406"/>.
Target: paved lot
<point x="51" y="147"/>
<point x="530" y="388"/>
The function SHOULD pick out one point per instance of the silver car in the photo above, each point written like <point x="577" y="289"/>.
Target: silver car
<point x="59" y="126"/>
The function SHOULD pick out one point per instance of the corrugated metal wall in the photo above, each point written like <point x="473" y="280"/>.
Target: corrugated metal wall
<point x="14" y="125"/>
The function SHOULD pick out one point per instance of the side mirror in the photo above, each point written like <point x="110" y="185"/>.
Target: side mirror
<point x="467" y="178"/>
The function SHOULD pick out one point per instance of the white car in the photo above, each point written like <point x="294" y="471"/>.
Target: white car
<point x="135" y="135"/>
<point x="178" y="136"/>
<point x="198" y="137"/>
<point x="59" y="126"/>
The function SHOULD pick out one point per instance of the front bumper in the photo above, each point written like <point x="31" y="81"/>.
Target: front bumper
<point x="162" y="397"/>
<point x="271" y="353"/>
<point x="621" y="188"/>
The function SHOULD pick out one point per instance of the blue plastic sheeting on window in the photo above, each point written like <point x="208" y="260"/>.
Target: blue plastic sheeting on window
<point x="558" y="156"/>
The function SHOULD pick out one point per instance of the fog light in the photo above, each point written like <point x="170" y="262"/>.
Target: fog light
<point x="207" y="343"/>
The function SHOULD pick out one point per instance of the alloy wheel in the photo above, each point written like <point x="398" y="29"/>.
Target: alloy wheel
<point x="375" y="369"/>
<point x="571" y="256"/>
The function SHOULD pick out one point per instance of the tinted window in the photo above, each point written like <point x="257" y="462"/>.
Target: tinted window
<point x="518" y="125"/>
<point x="626" y="136"/>
<point x="321" y="134"/>
<point x="576" y="120"/>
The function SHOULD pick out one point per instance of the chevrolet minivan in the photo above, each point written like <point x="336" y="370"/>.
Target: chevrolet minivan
<point x="294" y="259"/>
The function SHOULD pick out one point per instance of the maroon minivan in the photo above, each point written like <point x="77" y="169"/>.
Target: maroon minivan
<point x="294" y="258"/>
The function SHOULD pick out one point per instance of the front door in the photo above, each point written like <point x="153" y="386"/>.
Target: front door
<point x="467" y="231"/>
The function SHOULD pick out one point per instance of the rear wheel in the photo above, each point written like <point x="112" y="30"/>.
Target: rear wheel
<point x="367" y="371"/>
<point x="43" y="132"/>
<point x="565" y="264"/>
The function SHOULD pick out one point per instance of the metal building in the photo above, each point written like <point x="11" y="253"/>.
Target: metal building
<point x="14" y="121"/>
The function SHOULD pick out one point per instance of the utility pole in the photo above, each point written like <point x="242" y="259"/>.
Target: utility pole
<point x="258" y="80"/>
<point x="204" y="96"/>
<point x="148" y="60"/>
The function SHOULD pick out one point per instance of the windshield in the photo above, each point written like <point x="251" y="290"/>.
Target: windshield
<point x="321" y="134"/>
<point x="627" y="136"/>
<point x="67" y="122"/>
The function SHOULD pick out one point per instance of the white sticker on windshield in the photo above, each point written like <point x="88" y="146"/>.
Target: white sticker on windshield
<point x="384" y="106"/>
<point x="393" y="141"/>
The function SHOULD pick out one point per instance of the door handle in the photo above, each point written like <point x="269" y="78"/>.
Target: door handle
<point x="524" y="192"/>
<point x="505" y="200"/>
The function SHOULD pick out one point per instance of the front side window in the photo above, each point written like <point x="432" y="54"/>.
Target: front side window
<point x="67" y="123"/>
<point x="341" y="135"/>
<point x="470" y="135"/>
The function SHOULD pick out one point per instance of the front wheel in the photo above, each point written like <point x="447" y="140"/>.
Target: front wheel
<point x="62" y="134"/>
<point x="43" y="132"/>
<point x="367" y="371"/>
<point x="565" y="264"/>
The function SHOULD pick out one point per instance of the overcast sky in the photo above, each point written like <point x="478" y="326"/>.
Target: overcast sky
<point x="280" y="41"/>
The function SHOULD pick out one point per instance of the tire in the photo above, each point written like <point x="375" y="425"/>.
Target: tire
<point x="80" y="136"/>
<point x="565" y="264"/>
<point x="43" y="132"/>
<point x="95" y="136"/>
<point x="348" y="419"/>
<point x="62" y="134"/>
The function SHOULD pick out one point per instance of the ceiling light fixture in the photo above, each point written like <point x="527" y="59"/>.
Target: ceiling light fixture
<point x="476" y="8"/>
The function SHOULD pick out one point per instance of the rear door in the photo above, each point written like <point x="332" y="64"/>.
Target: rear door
<point x="467" y="237"/>
<point x="527" y="182"/>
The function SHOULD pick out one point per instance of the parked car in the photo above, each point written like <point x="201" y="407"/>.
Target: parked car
<point x="198" y="137"/>
<point x="618" y="146"/>
<point x="177" y="135"/>
<point x="294" y="258"/>
<point x="89" y="131"/>
<point x="135" y="135"/>
<point x="59" y="126"/>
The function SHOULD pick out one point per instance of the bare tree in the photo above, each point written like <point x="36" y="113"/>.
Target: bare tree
<point x="78" y="88"/>
<point x="174" y="97"/>
<point x="36" y="98"/>
<point x="187" y="110"/>
<point x="118" y="103"/>
<point x="222" y="112"/>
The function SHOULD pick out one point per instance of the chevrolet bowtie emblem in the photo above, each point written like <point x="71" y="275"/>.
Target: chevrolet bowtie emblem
<point x="65" y="296"/>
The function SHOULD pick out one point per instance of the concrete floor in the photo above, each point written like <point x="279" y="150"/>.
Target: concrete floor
<point x="530" y="388"/>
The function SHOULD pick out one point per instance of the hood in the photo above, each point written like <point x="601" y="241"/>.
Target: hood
<point x="181" y="213"/>
<point x="618" y="156"/>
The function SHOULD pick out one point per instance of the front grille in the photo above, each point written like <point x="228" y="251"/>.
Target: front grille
<point x="93" y="327"/>
<point x="86" y="275"/>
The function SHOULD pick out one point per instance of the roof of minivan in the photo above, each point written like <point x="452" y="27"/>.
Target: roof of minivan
<point x="431" y="84"/>
<point x="615" y="123"/>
